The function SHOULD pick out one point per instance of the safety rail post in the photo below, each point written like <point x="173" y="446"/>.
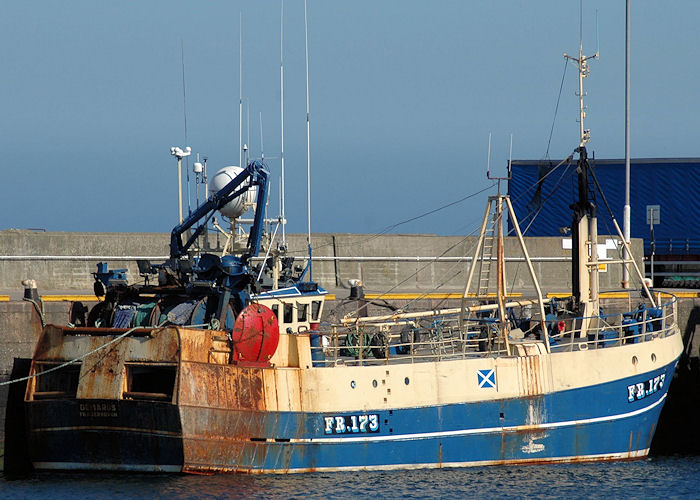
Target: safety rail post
<point x="597" y="335"/>
<point x="334" y="332"/>
<point x="387" y="348"/>
<point x="361" y="344"/>
<point x="412" y="349"/>
<point x="620" y="333"/>
<point x="663" y="317"/>
<point x="675" y="310"/>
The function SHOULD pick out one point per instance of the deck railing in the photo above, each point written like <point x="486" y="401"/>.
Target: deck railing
<point x="441" y="338"/>
<point x="610" y="330"/>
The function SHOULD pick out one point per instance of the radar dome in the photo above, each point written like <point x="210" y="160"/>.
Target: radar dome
<point x="240" y="204"/>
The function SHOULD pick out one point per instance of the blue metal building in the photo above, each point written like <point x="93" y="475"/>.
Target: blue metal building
<point x="541" y="196"/>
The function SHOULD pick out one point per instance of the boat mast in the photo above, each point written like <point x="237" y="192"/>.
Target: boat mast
<point x="584" y="228"/>
<point x="240" y="90"/>
<point x="627" y="209"/>
<point x="308" y="144"/>
<point x="282" y="186"/>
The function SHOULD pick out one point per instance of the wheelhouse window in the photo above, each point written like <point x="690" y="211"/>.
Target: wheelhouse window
<point x="53" y="383"/>
<point x="276" y="310"/>
<point x="315" y="310"/>
<point x="301" y="312"/>
<point x="288" y="313"/>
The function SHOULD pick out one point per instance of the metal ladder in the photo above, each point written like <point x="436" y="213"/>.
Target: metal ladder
<point x="486" y="256"/>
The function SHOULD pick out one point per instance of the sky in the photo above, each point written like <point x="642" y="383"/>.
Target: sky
<point x="403" y="97"/>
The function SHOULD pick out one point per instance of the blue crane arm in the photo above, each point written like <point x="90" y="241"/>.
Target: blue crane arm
<point x="258" y="176"/>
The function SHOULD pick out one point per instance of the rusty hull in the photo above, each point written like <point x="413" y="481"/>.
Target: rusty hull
<point x="222" y="411"/>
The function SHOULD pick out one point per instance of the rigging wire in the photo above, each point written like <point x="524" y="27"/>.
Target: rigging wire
<point x="406" y="221"/>
<point x="605" y="201"/>
<point x="536" y="183"/>
<point x="564" y="176"/>
<point x="413" y="275"/>
<point x="556" y="109"/>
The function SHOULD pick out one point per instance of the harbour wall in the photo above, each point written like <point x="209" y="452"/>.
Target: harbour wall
<point x="64" y="261"/>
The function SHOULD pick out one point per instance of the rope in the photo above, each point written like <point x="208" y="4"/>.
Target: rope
<point x="39" y="308"/>
<point x="80" y="358"/>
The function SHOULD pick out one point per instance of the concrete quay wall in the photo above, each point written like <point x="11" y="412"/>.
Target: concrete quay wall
<point x="64" y="261"/>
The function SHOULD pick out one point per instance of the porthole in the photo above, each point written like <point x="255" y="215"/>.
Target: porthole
<point x="634" y="360"/>
<point x="406" y="381"/>
<point x="352" y="384"/>
<point x="653" y="357"/>
<point x="374" y="383"/>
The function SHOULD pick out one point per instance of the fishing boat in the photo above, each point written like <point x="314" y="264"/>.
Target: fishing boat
<point x="207" y="372"/>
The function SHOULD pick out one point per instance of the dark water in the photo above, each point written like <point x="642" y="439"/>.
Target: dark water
<point x="664" y="477"/>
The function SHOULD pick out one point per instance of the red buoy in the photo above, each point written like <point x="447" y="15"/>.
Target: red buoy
<point x="255" y="336"/>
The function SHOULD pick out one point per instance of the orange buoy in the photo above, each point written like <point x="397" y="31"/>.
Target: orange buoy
<point x="255" y="336"/>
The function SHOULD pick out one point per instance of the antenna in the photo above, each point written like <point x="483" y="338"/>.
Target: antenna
<point x="284" y="220"/>
<point x="197" y="168"/>
<point x="510" y="156"/>
<point x="262" y="148"/>
<point x="583" y="71"/>
<point x="204" y="178"/>
<point x="247" y="141"/>
<point x="597" y="41"/>
<point x="488" y="160"/>
<point x="308" y="143"/>
<point x="240" y="90"/>
<point x="580" y="24"/>
<point x="488" y="167"/>
<point x="184" y="109"/>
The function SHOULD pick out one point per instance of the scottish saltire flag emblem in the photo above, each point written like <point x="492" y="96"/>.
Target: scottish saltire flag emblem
<point x="486" y="378"/>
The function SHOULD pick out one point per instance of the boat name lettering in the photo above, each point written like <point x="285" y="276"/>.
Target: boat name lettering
<point x="91" y="410"/>
<point x="349" y="424"/>
<point x="638" y="391"/>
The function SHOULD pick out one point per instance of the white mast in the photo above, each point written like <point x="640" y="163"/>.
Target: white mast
<point x="246" y="146"/>
<point x="282" y="214"/>
<point x="627" y="209"/>
<point x="308" y="143"/>
<point x="240" y="90"/>
<point x="584" y="232"/>
<point x="262" y="147"/>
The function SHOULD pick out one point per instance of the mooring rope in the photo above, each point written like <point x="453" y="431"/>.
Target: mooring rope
<point x="80" y="358"/>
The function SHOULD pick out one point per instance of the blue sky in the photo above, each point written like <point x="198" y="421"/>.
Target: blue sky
<point x="403" y="97"/>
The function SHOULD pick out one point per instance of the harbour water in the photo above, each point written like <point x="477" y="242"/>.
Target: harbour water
<point x="657" y="477"/>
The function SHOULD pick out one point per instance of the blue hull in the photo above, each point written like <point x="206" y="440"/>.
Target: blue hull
<point x="592" y="423"/>
<point x="601" y="422"/>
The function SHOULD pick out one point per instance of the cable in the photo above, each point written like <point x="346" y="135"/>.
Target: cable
<point x="431" y="262"/>
<point x="394" y="226"/>
<point x="556" y="108"/>
<point x="80" y="358"/>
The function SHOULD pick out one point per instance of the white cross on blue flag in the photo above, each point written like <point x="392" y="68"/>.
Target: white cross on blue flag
<point x="486" y="378"/>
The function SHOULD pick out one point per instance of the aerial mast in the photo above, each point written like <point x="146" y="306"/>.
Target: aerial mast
<point x="282" y="186"/>
<point x="240" y="90"/>
<point x="308" y="143"/>
<point x="584" y="227"/>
